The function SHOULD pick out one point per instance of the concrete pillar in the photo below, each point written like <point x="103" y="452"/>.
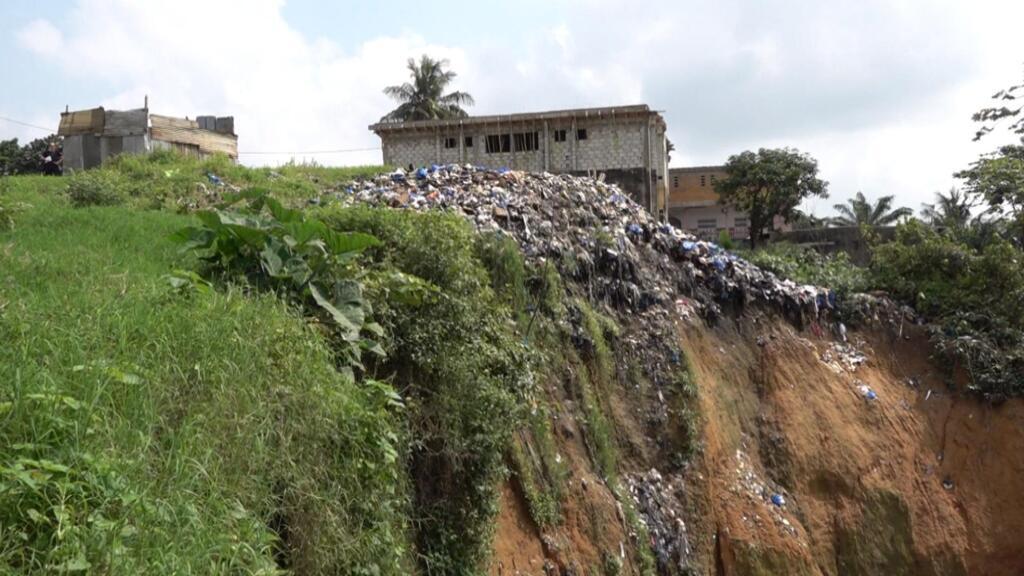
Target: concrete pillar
<point x="573" y="147"/>
<point x="546" y="145"/>
<point x="647" y="168"/>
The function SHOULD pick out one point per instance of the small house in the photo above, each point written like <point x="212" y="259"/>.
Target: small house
<point x="91" y="136"/>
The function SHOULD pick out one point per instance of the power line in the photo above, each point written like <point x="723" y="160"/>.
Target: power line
<point x="12" y="120"/>
<point x="254" y="153"/>
<point x="297" y="152"/>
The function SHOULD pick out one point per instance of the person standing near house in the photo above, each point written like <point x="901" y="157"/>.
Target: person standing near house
<point x="53" y="161"/>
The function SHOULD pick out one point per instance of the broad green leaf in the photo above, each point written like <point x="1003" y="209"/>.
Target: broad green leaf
<point x="283" y="215"/>
<point x="349" y="329"/>
<point x="304" y="232"/>
<point x="345" y="242"/>
<point x="249" y="235"/>
<point x="192" y="238"/>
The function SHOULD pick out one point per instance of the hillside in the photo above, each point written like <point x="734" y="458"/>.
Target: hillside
<point x="541" y="380"/>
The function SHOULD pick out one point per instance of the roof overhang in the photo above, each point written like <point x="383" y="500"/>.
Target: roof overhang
<point x="611" y="113"/>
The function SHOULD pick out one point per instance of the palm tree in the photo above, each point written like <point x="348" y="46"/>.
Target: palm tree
<point x="950" y="211"/>
<point x="858" y="211"/>
<point x="424" y="97"/>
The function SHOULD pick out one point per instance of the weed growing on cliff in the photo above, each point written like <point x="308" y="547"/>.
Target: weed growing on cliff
<point x="807" y="266"/>
<point x="976" y="295"/>
<point x="462" y="369"/>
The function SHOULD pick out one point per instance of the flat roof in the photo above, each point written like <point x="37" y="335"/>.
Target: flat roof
<point x="689" y="169"/>
<point x="608" y="112"/>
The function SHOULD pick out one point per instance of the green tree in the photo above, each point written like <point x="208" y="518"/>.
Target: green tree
<point x="859" y="212"/>
<point x="26" y="159"/>
<point x="997" y="178"/>
<point x="1009" y="108"/>
<point x="952" y="211"/>
<point x="423" y="98"/>
<point x="769" y="183"/>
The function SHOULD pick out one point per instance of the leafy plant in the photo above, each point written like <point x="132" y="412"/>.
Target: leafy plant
<point x="279" y="248"/>
<point x="96" y="188"/>
<point x="807" y="266"/>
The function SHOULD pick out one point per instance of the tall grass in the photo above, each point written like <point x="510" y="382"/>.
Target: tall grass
<point x="145" y="431"/>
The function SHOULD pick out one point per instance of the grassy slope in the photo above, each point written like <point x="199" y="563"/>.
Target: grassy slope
<point x="145" y="431"/>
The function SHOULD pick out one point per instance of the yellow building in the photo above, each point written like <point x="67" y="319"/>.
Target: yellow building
<point x="694" y="206"/>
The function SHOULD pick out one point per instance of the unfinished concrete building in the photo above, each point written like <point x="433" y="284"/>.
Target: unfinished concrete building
<point x="625" y="143"/>
<point x="92" y="136"/>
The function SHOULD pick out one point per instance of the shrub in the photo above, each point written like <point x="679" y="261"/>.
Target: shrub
<point x="807" y="266"/>
<point x="725" y="240"/>
<point x="97" y="188"/>
<point x="975" y="295"/>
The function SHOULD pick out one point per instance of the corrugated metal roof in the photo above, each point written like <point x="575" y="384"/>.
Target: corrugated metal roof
<point x="609" y="112"/>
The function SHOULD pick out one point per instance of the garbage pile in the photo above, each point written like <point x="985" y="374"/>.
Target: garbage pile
<point x="598" y="236"/>
<point x="655" y="498"/>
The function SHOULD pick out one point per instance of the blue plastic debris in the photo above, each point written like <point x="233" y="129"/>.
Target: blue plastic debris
<point x="871" y="395"/>
<point x="778" y="500"/>
<point x="214" y="179"/>
<point x="398" y="177"/>
<point x="434" y="168"/>
<point x="421" y="174"/>
<point x="634" y="229"/>
<point x="688" y="245"/>
<point x="719" y="263"/>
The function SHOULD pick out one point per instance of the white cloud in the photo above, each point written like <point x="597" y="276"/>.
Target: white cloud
<point x="287" y="92"/>
<point x="41" y="37"/>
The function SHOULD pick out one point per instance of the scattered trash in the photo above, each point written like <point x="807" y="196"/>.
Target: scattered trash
<point x="947" y="483"/>
<point x="214" y="179"/>
<point x="656" y="499"/>
<point x="778" y="500"/>
<point x="867" y="392"/>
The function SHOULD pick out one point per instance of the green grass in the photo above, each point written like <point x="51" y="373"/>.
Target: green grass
<point x="166" y="180"/>
<point x="143" y="431"/>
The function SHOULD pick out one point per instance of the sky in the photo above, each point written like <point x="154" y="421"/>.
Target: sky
<point x="880" y="92"/>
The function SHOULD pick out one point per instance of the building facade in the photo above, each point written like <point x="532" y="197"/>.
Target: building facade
<point x="625" y="143"/>
<point x="694" y="206"/>
<point x="92" y="136"/>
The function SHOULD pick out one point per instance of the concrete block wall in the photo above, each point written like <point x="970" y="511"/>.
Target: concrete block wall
<point x="608" y="146"/>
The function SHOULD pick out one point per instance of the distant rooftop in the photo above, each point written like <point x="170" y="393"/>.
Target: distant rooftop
<point x="688" y="169"/>
<point x="608" y="112"/>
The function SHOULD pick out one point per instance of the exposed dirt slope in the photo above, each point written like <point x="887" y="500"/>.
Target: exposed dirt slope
<point x="916" y="481"/>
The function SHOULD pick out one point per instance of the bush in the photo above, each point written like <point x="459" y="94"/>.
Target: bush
<point x="807" y="266"/>
<point x="975" y="295"/>
<point x="461" y="367"/>
<point x="725" y="240"/>
<point x="97" y="188"/>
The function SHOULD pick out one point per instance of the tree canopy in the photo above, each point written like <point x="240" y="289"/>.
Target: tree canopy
<point x="858" y="211"/>
<point x="769" y="183"/>
<point x="424" y="98"/>
<point x="997" y="178"/>
<point x="951" y="210"/>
